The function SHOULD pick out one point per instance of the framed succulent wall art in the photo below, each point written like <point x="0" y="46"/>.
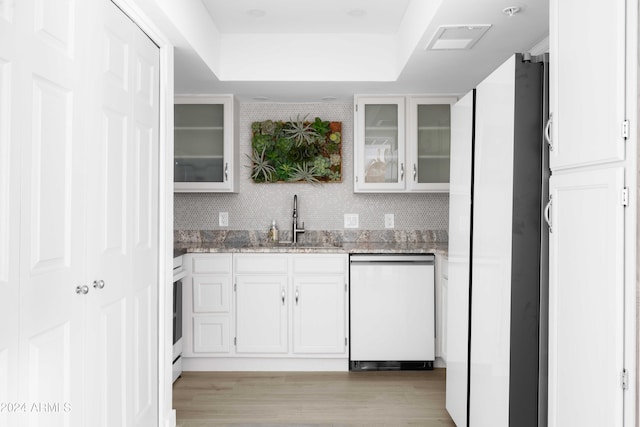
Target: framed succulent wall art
<point x="296" y="151"/>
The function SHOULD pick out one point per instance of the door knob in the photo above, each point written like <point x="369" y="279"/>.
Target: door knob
<point x="82" y="290"/>
<point x="98" y="284"/>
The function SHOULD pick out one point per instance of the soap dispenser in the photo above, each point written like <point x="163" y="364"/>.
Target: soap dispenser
<point x="273" y="231"/>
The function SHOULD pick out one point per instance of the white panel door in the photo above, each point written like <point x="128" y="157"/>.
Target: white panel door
<point x="491" y="264"/>
<point x="319" y="314"/>
<point x="50" y="80"/>
<point x="145" y="89"/>
<point x="587" y="97"/>
<point x="586" y="296"/>
<point x="457" y="309"/>
<point x="261" y="314"/>
<point x="123" y="224"/>
<point x="9" y="213"/>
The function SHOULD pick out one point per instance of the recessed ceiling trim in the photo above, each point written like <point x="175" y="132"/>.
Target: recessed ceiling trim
<point x="457" y="37"/>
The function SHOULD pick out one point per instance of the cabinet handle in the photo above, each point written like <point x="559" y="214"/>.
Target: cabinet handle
<point x="226" y="172"/>
<point x="547" y="132"/>
<point x="82" y="290"/>
<point x="547" y="217"/>
<point x="283" y="297"/>
<point x="401" y="171"/>
<point x="98" y="284"/>
<point x="297" y="295"/>
<point x="415" y="172"/>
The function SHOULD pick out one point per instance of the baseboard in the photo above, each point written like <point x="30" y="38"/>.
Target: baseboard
<point x="263" y="364"/>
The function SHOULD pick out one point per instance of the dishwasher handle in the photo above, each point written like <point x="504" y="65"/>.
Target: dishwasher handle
<point x="392" y="259"/>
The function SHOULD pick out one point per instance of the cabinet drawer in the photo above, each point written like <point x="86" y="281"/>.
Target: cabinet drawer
<point x="326" y="264"/>
<point x="211" y="263"/>
<point x="267" y="264"/>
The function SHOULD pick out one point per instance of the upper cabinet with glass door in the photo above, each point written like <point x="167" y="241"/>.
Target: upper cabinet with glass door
<point x="205" y="157"/>
<point x="398" y="150"/>
<point x="379" y="144"/>
<point x="429" y="140"/>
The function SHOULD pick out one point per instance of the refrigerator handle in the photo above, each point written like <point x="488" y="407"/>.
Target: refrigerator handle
<point x="547" y="218"/>
<point x="547" y="132"/>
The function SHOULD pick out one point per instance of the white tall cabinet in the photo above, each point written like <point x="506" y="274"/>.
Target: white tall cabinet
<point x="592" y="211"/>
<point x="79" y="121"/>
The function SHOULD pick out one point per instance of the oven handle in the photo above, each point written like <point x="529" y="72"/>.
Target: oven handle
<point x="179" y="273"/>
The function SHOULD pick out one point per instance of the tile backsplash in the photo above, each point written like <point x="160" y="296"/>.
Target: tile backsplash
<point x="320" y="206"/>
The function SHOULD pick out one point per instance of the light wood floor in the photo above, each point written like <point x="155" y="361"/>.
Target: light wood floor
<point x="400" y="398"/>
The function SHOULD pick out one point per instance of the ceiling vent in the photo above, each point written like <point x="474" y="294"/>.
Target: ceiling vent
<point x="457" y="37"/>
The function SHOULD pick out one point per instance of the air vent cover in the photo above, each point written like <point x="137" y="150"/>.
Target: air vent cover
<point x="457" y="37"/>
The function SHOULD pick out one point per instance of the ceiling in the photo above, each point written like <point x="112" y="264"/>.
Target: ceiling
<point x="324" y="51"/>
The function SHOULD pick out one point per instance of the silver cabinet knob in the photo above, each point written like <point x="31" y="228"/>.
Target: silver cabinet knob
<point x="82" y="290"/>
<point x="98" y="284"/>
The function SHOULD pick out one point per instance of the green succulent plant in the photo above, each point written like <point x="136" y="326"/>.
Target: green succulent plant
<point x="296" y="150"/>
<point x="320" y="126"/>
<point x="261" y="168"/>
<point x="268" y="127"/>
<point x="284" y="171"/>
<point x="322" y="166"/>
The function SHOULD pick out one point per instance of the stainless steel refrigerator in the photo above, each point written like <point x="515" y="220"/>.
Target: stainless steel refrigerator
<point x="496" y="311"/>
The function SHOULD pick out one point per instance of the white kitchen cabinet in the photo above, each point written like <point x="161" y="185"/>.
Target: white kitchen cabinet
<point x="261" y="303"/>
<point x="587" y="102"/>
<point x="205" y="153"/>
<point x="379" y="141"/>
<point x="428" y="142"/>
<point x="261" y="313"/>
<point x="592" y="237"/>
<point x="299" y="294"/>
<point x="264" y="311"/>
<point x="586" y="298"/>
<point x="207" y="296"/>
<point x="319" y="310"/>
<point x="401" y="144"/>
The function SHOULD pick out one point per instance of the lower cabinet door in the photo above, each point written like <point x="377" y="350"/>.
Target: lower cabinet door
<point x="261" y="314"/>
<point x="586" y="298"/>
<point x="211" y="334"/>
<point x="319" y="314"/>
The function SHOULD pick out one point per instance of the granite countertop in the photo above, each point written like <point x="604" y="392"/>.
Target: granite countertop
<point x="351" y="248"/>
<point x="318" y="242"/>
<point x="178" y="251"/>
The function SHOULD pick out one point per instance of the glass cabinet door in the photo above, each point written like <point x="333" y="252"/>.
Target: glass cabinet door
<point x="430" y="140"/>
<point x="199" y="143"/>
<point x="380" y="144"/>
<point x="204" y="156"/>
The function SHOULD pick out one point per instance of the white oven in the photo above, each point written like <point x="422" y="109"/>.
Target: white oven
<point x="178" y="274"/>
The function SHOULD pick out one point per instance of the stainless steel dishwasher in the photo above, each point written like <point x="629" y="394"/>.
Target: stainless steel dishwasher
<point x="392" y="312"/>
